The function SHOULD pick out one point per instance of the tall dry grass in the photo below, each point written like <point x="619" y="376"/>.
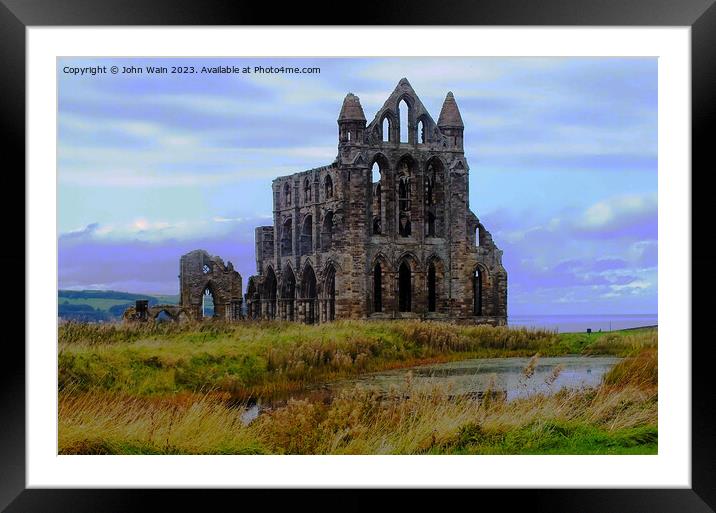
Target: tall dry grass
<point x="618" y="416"/>
<point x="104" y="423"/>
<point x="260" y="358"/>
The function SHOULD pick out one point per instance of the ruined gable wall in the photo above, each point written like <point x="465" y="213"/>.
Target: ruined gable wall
<point x="198" y="271"/>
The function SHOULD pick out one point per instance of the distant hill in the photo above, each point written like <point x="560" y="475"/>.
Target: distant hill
<point x="102" y="305"/>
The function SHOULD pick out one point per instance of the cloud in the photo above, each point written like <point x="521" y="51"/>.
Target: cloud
<point x="603" y="252"/>
<point x="620" y="215"/>
<point x="159" y="231"/>
<point x="143" y="256"/>
<point x="563" y="156"/>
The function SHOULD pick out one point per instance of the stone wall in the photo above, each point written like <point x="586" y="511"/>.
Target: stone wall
<point x="334" y="224"/>
<point x="203" y="274"/>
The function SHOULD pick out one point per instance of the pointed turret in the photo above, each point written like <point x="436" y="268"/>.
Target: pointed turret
<point x="351" y="122"/>
<point x="351" y="109"/>
<point x="450" y="114"/>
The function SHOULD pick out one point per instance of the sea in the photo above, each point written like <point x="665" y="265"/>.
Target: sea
<point x="580" y="323"/>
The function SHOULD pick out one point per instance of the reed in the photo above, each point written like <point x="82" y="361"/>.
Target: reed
<point x="258" y="358"/>
<point x="617" y="417"/>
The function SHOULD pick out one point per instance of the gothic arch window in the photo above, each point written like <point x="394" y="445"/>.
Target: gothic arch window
<point x="306" y="244"/>
<point x="477" y="292"/>
<point x="287" y="194"/>
<point x="377" y="287"/>
<point x="327" y="231"/>
<point x="404" y="113"/>
<point x="328" y="186"/>
<point x="287" y="237"/>
<point x="377" y="209"/>
<point x="377" y="197"/>
<point x="404" y="226"/>
<point x="404" y="198"/>
<point x="375" y="173"/>
<point x="307" y="190"/>
<point x="429" y="187"/>
<point x="430" y="228"/>
<point x="386" y="129"/>
<point x="404" y="185"/>
<point x="207" y="303"/>
<point x="404" y="193"/>
<point x="421" y="132"/>
<point x="434" y="198"/>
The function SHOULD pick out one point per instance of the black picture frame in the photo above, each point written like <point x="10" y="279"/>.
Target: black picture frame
<point x="17" y="15"/>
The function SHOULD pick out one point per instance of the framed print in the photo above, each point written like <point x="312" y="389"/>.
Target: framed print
<point x="422" y="251"/>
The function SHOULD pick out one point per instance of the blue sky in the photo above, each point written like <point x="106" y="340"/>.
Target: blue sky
<point x="562" y="154"/>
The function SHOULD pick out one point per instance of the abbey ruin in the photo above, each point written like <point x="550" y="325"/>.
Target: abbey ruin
<point x="383" y="232"/>
<point x="348" y="243"/>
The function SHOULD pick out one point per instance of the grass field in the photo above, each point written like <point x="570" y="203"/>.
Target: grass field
<point x="165" y="389"/>
<point x="262" y="358"/>
<point x="102" y="305"/>
<point x="96" y="303"/>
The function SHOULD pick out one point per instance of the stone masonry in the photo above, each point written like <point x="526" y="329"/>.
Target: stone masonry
<point x="202" y="275"/>
<point x="385" y="231"/>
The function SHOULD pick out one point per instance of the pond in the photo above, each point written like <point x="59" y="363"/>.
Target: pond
<point x="472" y="377"/>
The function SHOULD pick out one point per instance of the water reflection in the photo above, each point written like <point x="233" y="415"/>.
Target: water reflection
<point x="469" y="377"/>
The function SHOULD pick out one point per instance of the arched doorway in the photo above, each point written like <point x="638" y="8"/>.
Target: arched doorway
<point x="309" y="295"/>
<point x="288" y="294"/>
<point x="207" y="303"/>
<point x="269" y="296"/>
<point x="252" y="300"/>
<point x="477" y="292"/>
<point x="163" y="316"/>
<point x="405" y="292"/>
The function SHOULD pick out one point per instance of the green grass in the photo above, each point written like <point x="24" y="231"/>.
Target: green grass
<point x="555" y="437"/>
<point x="96" y="303"/>
<point x="264" y="358"/>
<point x="167" y="299"/>
<point x="618" y="343"/>
<point x="617" y="417"/>
<point x="172" y="389"/>
<point x="103" y="300"/>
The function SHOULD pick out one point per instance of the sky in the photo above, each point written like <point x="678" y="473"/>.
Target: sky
<point x="562" y="155"/>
